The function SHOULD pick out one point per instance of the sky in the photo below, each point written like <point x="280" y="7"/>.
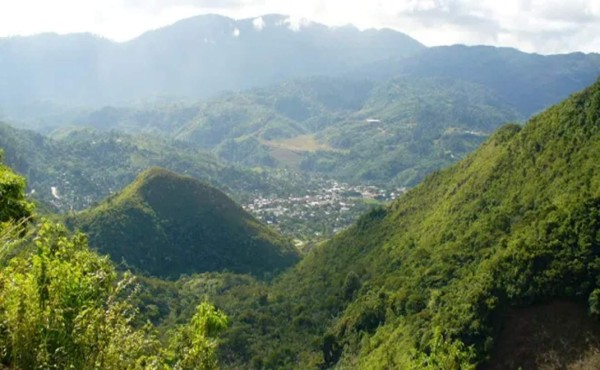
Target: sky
<point x="542" y="26"/>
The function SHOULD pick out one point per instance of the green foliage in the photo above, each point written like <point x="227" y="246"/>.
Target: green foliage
<point x="443" y="354"/>
<point x="66" y="307"/>
<point x="63" y="306"/>
<point x="15" y="211"/>
<point x="195" y="344"/>
<point x="594" y="302"/>
<point x="13" y="205"/>
<point x="60" y="308"/>
<point x="351" y="285"/>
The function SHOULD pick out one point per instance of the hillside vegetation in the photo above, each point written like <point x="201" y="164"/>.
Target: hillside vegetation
<point x="166" y="225"/>
<point x="76" y="168"/>
<point x="391" y="120"/>
<point x="339" y="199"/>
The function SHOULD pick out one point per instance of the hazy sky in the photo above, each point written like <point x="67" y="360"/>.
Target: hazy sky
<point x="544" y="26"/>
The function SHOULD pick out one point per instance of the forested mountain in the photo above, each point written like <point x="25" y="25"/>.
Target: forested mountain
<point x="432" y="280"/>
<point x="75" y="168"/>
<point x="363" y="106"/>
<point x="166" y="225"/>
<point x="444" y="277"/>
<point x="195" y="57"/>
<point x="409" y="127"/>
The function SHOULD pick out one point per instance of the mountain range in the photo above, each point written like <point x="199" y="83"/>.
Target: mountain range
<point x="529" y="82"/>
<point x="357" y="130"/>
<point x="48" y="74"/>
<point x="372" y="106"/>
<point x="193" y="58"/>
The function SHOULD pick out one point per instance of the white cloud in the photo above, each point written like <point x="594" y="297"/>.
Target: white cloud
<point x="236" y="32"/>
<point x="295" y="23"/>
<point x="258" y="23"/>
<point x="545" y="26"/>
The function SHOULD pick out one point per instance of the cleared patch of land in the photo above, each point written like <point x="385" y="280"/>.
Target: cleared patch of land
<point x="289" y="152"/>
<point x="301" y="143"/>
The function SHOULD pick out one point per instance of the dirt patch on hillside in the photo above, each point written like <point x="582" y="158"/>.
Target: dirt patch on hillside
<point x="556" y="335"/>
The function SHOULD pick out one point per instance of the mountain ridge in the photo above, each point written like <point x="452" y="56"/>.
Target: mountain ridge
<point x="196" y="57"/>
<point x="525" y="80"/>
<point x="396" y="130"/>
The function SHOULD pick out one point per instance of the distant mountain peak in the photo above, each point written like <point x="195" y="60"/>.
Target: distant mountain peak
<point x="195" y="57"/>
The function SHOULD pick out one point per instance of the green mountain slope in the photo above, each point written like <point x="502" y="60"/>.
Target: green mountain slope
<point x="166" y="225"/>
<point x="14" y="206"/>
<point x="425" y="283"/>
<point x="392" y="122"/>
<point x="73" y="169"/>
<point x="355" y="130"/>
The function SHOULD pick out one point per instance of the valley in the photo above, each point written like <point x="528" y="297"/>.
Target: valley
<point x="277" y="193"/>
